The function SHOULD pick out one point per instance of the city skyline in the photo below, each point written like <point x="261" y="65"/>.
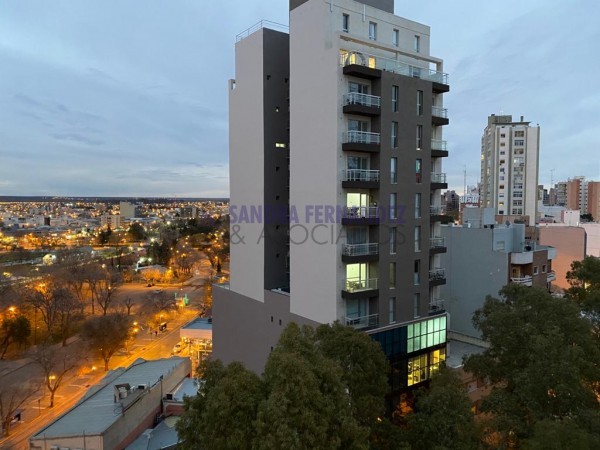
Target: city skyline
<point x="113" y="99"/>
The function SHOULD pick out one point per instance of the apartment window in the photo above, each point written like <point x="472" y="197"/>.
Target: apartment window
<point x="520" y="133"/>
<point x="419" y="137"/>
<point x="418" y="205"/>
<point x="417" y="272"/>
<point x="535" y="270"/>
<point x="519" y="142"/>
<point x="280" y="145"/>
<point x="359" y="88"/>
<point x="419" y="103"/>
<point x="394" y="98"/>
<point x="502" y="135"/>
<point x="393" y="246"/>
<point x="393" y="206"/>
<point x="345" y="22"/>
<point x="418" y="238"/>
<point x="396" y="37"/>
<point x="502" y="144"/>
<point x="419" y="170"/>
<point x="394" y="170"/>
<point x="373" y="31"/>
<point x="392" y="310"/>
<point x="392" y="275"/>
<point x="416" y="305"/>
<point x="417" y="44"/>
<point x="394" y="136"/>
<point x="517" y="202"/>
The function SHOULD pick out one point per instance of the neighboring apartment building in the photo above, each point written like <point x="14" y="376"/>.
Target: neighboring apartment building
<point x="114" y="412"/>
<point x="358" y="240"/>
<point x="128" y="210"/>
<point x="510" y="166"/>
<point x="110" y="220"/>
<point x="570" y="243"/>
<point x="593" y="199"/>
<point x="481" y="259"/>
<point x="577" y="194"/>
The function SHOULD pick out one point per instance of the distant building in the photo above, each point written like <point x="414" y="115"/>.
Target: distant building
<point x="128" y="210"/>
<point x="451" y="203"/>
<point x="481" y="259"/>
<point x="110" y="220"/>
<point x="509" y="167"/>
<point x="593" y="199"/>
<point x="577" y="194"/>
<point x="570" y="243"/>
<point x="112" y="413"/>
<point x="561" y="193"/>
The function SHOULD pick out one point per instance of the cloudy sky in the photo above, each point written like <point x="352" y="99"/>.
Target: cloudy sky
<point x="129" y="98"/>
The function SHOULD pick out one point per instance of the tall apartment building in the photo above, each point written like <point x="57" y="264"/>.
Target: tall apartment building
<point x="576" y="194"/>
<point x="593" y="199"/>
<point x="339" y="125"/>
<point x="510" y="166"/>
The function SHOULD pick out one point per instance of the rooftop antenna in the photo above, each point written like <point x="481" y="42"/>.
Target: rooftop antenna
<point x="551" y="178"/>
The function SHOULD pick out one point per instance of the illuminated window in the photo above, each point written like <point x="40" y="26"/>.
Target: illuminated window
<point x="423" y="367"/>
<point x="280" y="145"/>
<point x="426" y="334"/>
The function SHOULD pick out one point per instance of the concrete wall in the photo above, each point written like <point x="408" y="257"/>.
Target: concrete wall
<point x="249" y="328"/>
<point x="593" y="238"/>
<point x="474" y="271"/>
<point x="570" y="244"/>
<point x="246" y="165"/>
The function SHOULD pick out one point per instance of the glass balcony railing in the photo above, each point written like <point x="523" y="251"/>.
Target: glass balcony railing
<point x="436" y="305"/>
<point x="437" y="144"/>
<point x="438" y="177"/>
<point x="361" y="175"/>
<point x="435" y="210"/>
<point x="437" y="274"/>
<point x="355" y="98"/>
<point x="358" y="322"/>
<point x="360" y="249"/>
<point x="360" y="284"/>
<point x="437" y="242"/>
<point x="361" y="212"/>
<point x="391" y="65"/>
<point x="361" y="137"/>
<point x="438" y="111"/>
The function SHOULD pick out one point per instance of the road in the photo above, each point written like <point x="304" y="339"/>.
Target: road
<point x="36" y="413"/>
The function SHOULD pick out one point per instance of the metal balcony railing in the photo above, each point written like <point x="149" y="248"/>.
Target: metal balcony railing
<point x="437" y="144"/>
<point x="361" y="175"/>
<point x="360" y="249"/>
<point x="361" y="137"/>
<point x="391" y="65"/>
<point x="370" y="321"/>
<point x="551" y="275"/>
<point x="526" y="280"/>
<point x="437" y="242"/>
<point x="360" y="284"/>
<point x="438" y="111"/>
<point x="437" y="274"/>
<point x="438" y="177"/>
<point x="361" y="212"/>
<point x="355" y="98"/>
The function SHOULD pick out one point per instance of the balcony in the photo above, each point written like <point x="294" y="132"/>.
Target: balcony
<point x="437" y="277"/>
<point x="521" y="258"/>
<point x="360" y="288"/>
<point x="526" y="280"/>
<point x="360" y="215"/>
<point x="438" y="181"/>
<point x="551" y="276"/>
<point x="439" y="149"/>
<point x="360" y="179"/>
<point x="436" y="306"/>
<point x="362" y="104"/>
<point x="439" y="116"/>
<point x="355" y="253"/>
<point x="361" y="141"/>
<point x="437" y="245"/>
<point x="370" y="66"/>
<point x="435" y="213"/>
<point x="362" y="322"/>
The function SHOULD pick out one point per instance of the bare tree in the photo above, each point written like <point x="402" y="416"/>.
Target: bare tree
<point x="126" y="305"/>
<point x="107" y="334"/>
<point x="13" y="394"/>
<point x="55" y="364"/>
<point x="104" y="288"/>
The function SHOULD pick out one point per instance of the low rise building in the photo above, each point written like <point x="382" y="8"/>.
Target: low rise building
<point x="114" y="412"/>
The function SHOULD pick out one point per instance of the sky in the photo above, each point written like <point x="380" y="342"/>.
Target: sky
<point x="129" y="98"/>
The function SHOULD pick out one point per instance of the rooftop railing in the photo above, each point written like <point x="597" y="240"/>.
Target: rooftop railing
<point x="262" y="24"/>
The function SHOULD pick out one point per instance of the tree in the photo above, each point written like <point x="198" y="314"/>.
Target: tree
<point x="14" y="392"/>
<point x="584" y="278"/>
<point x="442" y="417"/>
<point x="305" y="398"/>
<point x="15" y="330"/>
<point x="136" y="232"/>
<point x="561" y="434"/>
<point x="104" y="236"/>
<point x="224" y="410"/>
<point x="542" y="361"/>
<point x="105" y="285"/>
<point x="55" y="364"/>
<point x="106" y="334"/>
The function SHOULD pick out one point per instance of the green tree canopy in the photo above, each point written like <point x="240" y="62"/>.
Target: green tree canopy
<point x="107" y="334"/>
<point x="542" y="360"/>
<point x="316" y="393"/>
